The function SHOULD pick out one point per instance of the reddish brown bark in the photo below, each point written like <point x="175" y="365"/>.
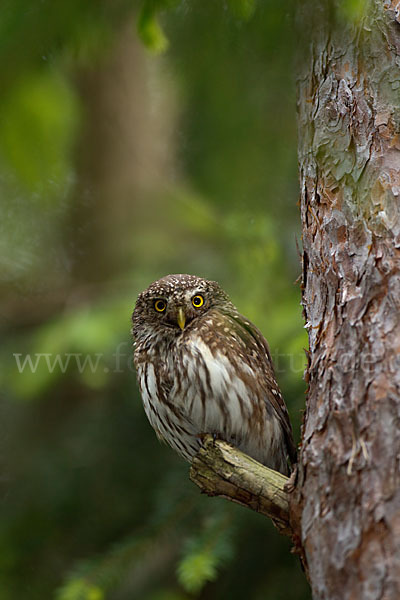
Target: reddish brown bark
<point x="347" y="498"/>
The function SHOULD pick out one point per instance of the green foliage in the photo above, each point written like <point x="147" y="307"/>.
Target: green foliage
<point x="200" y="177"/>
<point x="148" y="26"/>
<point x="79" y="589"/>
<point x="103" y="574"/>
<point x="38" y="119"/>
<point x="205" y="553"/>
<point x="80" y="344"/>
<point x="197" y="569"/>
<point x="244" y="9"/>
<point x="166" y="594"/>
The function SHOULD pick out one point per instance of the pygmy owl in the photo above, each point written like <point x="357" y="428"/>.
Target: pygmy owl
<point x="204" y="368"/>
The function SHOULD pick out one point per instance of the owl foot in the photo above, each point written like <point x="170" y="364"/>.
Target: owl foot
<point x="290" y="485"/>
<point x="215" y="436"/>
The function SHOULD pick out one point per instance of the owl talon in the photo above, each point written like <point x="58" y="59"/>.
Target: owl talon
<point x="203" y="434"/>
<point x="290" y="485"/>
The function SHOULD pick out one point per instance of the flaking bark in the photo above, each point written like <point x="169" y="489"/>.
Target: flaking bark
<point x="347" y="499"/>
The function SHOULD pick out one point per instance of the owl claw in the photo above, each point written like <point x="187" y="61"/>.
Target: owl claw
<point x="203" y="434"/>
<point x="290" y="485"/>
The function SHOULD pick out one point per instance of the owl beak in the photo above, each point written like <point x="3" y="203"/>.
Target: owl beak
<point x="180" y="318"/>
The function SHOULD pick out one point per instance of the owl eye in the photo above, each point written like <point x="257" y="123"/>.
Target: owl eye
<point x="160" y="305"/>
<point x="197" y="301"/>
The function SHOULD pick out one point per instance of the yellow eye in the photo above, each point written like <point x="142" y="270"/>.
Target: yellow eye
<point x="197" y="301"/>
<point x="160" y="305"/>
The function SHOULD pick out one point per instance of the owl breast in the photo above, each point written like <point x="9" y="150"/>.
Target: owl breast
<point x="198" y="389"/>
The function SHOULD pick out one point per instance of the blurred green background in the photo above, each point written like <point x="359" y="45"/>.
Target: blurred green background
<point x="136" y="140"/>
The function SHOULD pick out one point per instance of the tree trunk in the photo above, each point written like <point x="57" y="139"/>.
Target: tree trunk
<point x="347" y="498"/>
<point x="345" y="506"/>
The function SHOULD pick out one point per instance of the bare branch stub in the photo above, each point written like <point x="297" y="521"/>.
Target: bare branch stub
<point x="219" y="469"/>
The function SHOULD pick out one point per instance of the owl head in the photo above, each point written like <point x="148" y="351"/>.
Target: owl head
<point x="174" y="302"/>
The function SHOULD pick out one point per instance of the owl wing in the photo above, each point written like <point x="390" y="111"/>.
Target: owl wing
<point x="258" y="350"/>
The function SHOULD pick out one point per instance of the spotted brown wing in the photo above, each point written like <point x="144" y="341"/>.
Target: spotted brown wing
<point x="257" y="347"/>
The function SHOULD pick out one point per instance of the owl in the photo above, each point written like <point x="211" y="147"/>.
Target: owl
<point x="204" y="368"/>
